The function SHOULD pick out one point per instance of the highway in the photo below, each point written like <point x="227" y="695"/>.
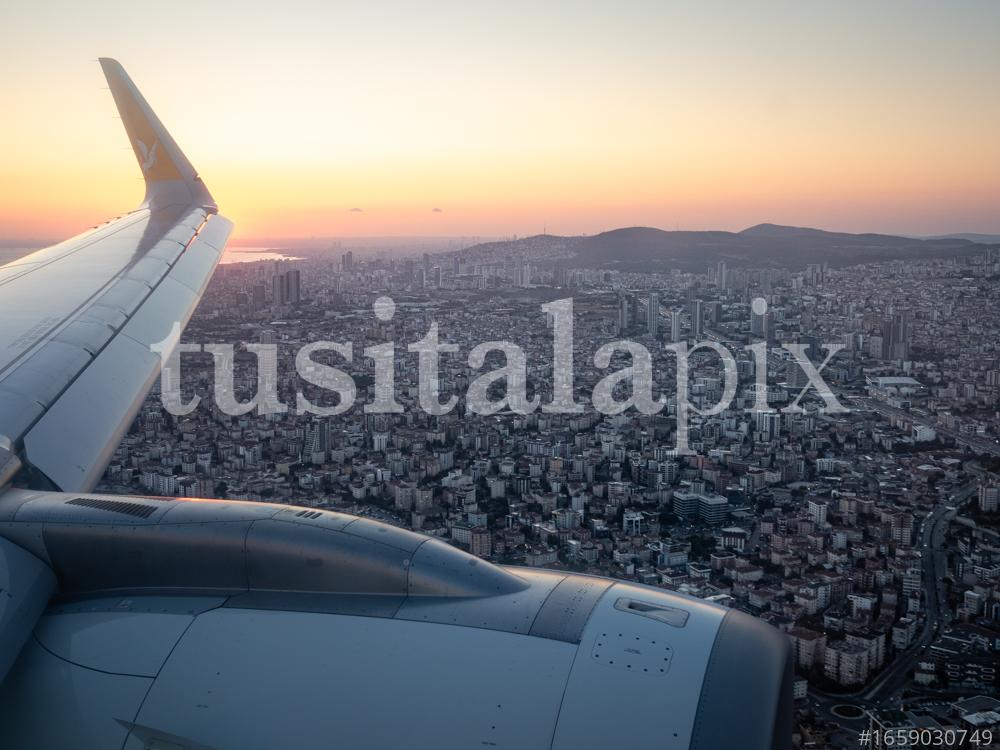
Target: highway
<point x="973" y="442"/>
<point x="881" y="691"/>
<point x="934" y="567"/>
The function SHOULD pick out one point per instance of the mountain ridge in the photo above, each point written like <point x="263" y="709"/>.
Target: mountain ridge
<point x="762" y="245"/>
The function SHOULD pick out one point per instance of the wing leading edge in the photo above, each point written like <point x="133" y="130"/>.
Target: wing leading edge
<point x="77" y="319"/>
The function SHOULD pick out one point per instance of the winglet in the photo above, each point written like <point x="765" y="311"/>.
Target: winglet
<point x="170" y="178"/>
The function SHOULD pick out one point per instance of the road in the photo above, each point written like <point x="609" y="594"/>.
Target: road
<point x="973" y="442"/>
<point x="934" y="567"/>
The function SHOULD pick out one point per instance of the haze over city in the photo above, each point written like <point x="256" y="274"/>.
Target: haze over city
<point x="571" y="118"/>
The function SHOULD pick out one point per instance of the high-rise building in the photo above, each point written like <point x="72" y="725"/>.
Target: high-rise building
<point x="989" y="499"/>
<point x="259" y="295"/>
<point x="316" y="438"/>
<point x="279" y="292"/>
<point x="817" y="512"/>
<point x="896" y="336"/>
<point x="768" y="424"/>
<point x="713" y="509"/>
<point x="795" y="376"/>
<point x="675" y="325"/>
<point x="816" y="273"/>
<point x="624" y="313"/>
<point x="762" y="320"/>
<point x="286" y="288"/>
<point x="653" y="314"/>
<point x="293" y="283"/>
<point x="713" y="312"/>
<point x="697" y="319"/>
<point x="522" y="274"/>
<point x="267" y="361"/>
<point x="347" y="261"/>
<point x="901" y="528"/>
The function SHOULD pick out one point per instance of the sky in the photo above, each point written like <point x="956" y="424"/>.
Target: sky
<point x="509" y="118"/>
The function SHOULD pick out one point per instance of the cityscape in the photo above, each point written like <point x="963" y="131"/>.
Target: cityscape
<point x="870" y="536"/>
<point x="513" y="376"/>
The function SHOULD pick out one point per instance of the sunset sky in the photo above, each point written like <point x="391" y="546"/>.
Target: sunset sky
<point x="579" y="117"/>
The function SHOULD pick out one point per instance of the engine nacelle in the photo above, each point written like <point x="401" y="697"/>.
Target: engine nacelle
<point x="211" y="624"/>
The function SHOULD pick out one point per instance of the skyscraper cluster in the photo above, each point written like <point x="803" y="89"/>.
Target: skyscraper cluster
<point x="286" y="288"/>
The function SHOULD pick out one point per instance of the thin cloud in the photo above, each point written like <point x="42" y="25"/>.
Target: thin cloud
<point x="437" y="210"/>
<point x="355" y="210"/>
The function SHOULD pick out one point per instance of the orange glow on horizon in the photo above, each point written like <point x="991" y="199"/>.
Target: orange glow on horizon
<point x="589" y="122"/>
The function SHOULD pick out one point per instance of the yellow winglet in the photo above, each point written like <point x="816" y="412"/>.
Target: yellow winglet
<point x="164" y="167"/>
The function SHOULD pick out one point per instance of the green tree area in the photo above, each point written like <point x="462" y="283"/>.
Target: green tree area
<point x="702" y="546"/>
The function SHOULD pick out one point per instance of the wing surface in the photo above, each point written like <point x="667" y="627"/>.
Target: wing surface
<point x="77" y="319"/>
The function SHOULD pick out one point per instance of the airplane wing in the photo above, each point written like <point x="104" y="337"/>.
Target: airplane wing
<point x="140" y="623"/>
<point x="77" y="319"/>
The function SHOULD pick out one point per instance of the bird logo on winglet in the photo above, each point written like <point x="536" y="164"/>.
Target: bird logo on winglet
<point x="148" y="155"/>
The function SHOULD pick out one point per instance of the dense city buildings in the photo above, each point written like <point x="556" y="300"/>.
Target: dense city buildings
<point x="868" y="535"/>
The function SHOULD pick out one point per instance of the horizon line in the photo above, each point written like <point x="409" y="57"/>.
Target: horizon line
<point x="18" y="243"/>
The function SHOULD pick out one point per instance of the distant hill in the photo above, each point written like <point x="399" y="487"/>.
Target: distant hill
<point x="646" y="248"/>
<point x="986" y="239"/>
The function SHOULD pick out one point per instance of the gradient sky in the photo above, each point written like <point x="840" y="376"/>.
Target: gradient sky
<point x="577" y="116"/>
